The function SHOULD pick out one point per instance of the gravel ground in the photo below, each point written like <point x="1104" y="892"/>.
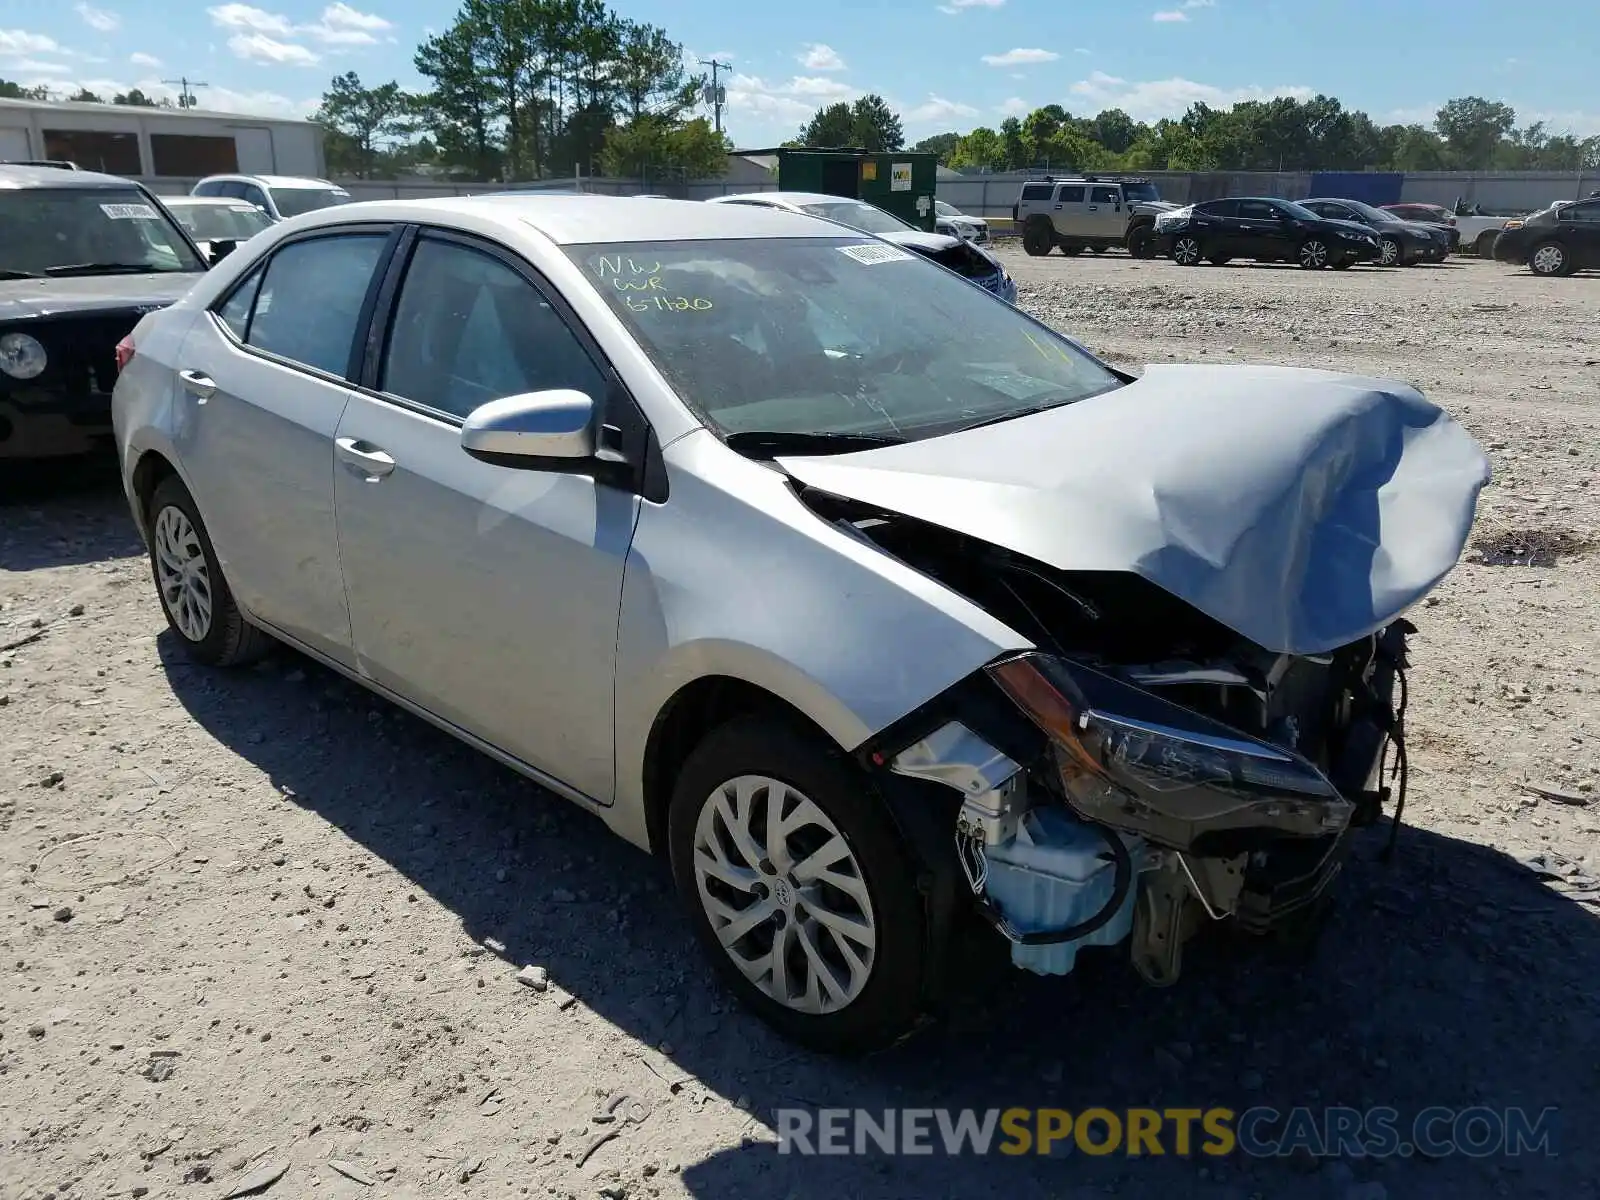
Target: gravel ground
<point x="262" y="919"/>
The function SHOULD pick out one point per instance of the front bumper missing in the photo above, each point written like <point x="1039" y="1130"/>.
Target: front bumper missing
<point x="44" y="425"/>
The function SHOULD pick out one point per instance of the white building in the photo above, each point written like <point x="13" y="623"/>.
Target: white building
<point x="161" y="146"/>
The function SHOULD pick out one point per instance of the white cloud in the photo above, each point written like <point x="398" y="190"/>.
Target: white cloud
<point x="342" y="25"/>
<point x="140" y="59"/>
<point x="98" y="19"/>
<point x="820" y="57"/>
<point x="1019" y="57"/>
<point x="1170" y="15"/>
<point x="792" y="101"/>
<point x="1014" y="107"/>
<point x="1154" y="99"/>
<point x="937" y="108"/>
<point x="257" y="47"/>
<point x="255" y="20"/>
<point x="1081" y="50"/>
<point x="956" y="7"/>
<point x="1578" y="124"/>
<point x="23" y="66"/>
<point x="17" y="42"/>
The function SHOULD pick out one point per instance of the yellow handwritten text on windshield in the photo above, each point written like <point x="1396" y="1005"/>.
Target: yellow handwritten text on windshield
<point x="667" y="303"/>
<point x="642" y="286"/>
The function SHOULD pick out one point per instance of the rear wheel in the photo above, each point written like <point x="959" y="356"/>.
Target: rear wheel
<point x="1313" y="254"/>
<point x="1485" y="243"/>
<point x="1037" y="239"/>
<point x="194" y="595"/>
<point x="798" y="885"/>
<point x="1186" y="251"/>
<point x="1549" y="259"/>
<point x="1141" y="242"/>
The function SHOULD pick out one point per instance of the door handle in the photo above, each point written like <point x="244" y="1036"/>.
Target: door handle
<point x="371" y="463"/>
<point x="200" y="386"/>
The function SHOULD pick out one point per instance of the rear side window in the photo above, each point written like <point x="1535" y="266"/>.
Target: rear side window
<point x="1035" y="191"/>
<point x="1070" y="195"/>
<point x="309" y="301"/>
<point x="1256" y="210"/>
<point x="1104" y="195"/>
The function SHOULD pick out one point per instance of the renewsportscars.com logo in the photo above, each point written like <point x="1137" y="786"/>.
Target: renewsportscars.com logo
<point x="1262" y="1132"/>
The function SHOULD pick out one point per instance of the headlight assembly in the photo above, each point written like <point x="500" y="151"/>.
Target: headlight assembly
<point x="22" y="356"/>
<point x="1136" y="762"/>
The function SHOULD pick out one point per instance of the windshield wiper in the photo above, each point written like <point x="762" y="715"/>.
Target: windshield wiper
<point x="780" y="441"/>
<point x="14" y="273"/>
<point x="105" y="268"/>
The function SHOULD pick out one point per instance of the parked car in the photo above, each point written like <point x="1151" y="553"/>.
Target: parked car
<point x="216" y="224"/>
<point x="279" y="196"/>
<point x="964" y="257"/>
<point x="1557" y="241"/>
<point x="1262" y="228"/>
<point x="772" y="545"/>
<point x="951" y="221"/>
<point x="1088" y="213"/>
<point x="1475" y="231"/>
<point x="1400" y="243"/>
<point x="82" y="257"/>
<point x="1433" y="214"/>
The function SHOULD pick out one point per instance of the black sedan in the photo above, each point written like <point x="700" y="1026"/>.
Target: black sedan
<point x="1557" y="241"/>
<point x="1264" y="229"/>
<point x="1401" y="243"/>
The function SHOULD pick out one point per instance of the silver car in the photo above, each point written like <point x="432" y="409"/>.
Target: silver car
<point x="860" y="596"/>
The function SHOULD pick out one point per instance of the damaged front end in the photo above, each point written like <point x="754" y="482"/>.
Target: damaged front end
<point x="1171" y="774"/>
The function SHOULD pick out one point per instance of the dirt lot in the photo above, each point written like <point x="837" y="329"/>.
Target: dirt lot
<point x="260" y="918"/>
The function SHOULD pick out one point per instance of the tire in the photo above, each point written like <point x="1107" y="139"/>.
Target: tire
<point x="750" y="755"/>
<point x="1550" y="259"/>
<point x="194" y="595"/>
<point x="1219" y="260"/>
<point x="1141" y="242"/>
<point x="1485" y="243"/>
<point x="1037" y="239"/>
<point x="1187" y="251"/>
<point x="1390" y="252"/>
<point x="1312" y="254"/>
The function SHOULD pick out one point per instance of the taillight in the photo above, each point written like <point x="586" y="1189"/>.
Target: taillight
<point x="124" y="353"/>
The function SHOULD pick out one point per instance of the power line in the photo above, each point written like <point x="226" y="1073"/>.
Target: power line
<point x="186" y="97"/>
<point x="715" y="95"/>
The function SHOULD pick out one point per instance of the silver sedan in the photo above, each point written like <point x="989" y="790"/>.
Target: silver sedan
<point x="860" y="596"/>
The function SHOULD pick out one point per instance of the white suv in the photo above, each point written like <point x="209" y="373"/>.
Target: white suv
<point x="279" y="196"/>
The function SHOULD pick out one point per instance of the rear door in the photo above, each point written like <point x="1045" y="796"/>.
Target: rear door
<point x="1261" y="231"/>
<point x="1580" y="227"/>
<point x="488" y="595"/>
<point x="1068" y="209"/>
<point x="263" y="382"/>
<point x="1214" y="226"/>
<point x="1103" y="216"/>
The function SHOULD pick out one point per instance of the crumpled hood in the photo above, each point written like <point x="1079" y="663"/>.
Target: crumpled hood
<point x="21" y="299"/>
<point x="1157" y="206"/>
<point x="915" y="239"/>
<point x="1302" y="509"/>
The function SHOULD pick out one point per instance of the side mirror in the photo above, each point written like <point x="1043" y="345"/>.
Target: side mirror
<point x="531" y="429"/>
<point x="221" y="248"/>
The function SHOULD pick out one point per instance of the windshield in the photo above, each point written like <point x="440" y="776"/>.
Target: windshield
<point x="1137" y="193"/>
<point x="1378" y="216"/>
<point x="833" y="336"/>
<point x="858" y="215"/>
<point x="88" y="231"/>
<point x="221" y="222"/>
<point x="947" y="210"/>
<point x="292" y="202"/>
<point x="1298" y="211"/>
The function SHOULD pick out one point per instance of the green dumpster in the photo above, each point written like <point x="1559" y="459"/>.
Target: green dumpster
<point x="899" y="182"/>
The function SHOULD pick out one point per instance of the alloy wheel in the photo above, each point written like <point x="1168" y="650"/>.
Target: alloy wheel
<point x="1549" y="260"/>
<point x="1389" y="249"/>
<point x="1314" y="254"/>
<point x="1186" y="252"/>
<point x="182" y="573"/>
<point x="784" y="894"/>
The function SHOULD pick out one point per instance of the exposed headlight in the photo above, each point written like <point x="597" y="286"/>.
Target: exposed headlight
<point x="1139" y="763"/>
<point x="22" y="356"/>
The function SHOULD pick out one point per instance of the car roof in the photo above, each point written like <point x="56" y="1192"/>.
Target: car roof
<point x="277" y="181"/>
<point x="15" y="177"/>
<point x="589" y="219"/>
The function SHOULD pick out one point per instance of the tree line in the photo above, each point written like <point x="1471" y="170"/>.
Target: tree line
<point x="525" y="89"/>
<point x="1284" y="134"/>
<point x="133" y="96"/>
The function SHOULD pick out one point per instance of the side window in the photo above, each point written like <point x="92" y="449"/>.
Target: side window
<point x="1033" y="192"/>
<point x="1218" y="208"/>
<point x="1587" y="214"/>
<point x="207" y="189"/>
<point x="231" y="188"/>
<point x="254" y="195"/>
<point x="235" y="314"/>
<point x="1104" y="195"/>
<point x="309" y="302"/>
<point x="468" y="329"/>
<point x="1256" y="210"/>
<point x="1070" y="195"/>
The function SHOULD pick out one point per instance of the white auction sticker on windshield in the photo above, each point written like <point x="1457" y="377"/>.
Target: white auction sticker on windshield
<point x="870" y="254"/>
<point x="244" y="208"/>
<point x="129" y="212"/>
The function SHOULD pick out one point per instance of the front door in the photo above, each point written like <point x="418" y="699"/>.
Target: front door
<point x="263" y="381"/>
<point x="489" y="595"/>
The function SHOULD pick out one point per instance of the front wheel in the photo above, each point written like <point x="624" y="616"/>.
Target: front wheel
<point x="196" y="599"/>
<point x="1186" y="251"/>
<point x="1313" y="254"/>
<point x="1550" y="259"/>
<point x="800" y="889"/>
<point x="1485" y="243"/>
<point x="1389" y="252"/>
<point x="1141" y="242"/>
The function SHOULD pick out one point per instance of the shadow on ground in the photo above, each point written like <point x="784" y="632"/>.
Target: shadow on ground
<point x="61" y="512"/>
<point x="1447" y="978"/>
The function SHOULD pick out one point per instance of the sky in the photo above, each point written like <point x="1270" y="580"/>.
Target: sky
<point x="943" y="64"/>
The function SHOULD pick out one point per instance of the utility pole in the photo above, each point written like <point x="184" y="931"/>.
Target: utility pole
<point x="715" y="96"/>
<point x="186" y="96"/>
